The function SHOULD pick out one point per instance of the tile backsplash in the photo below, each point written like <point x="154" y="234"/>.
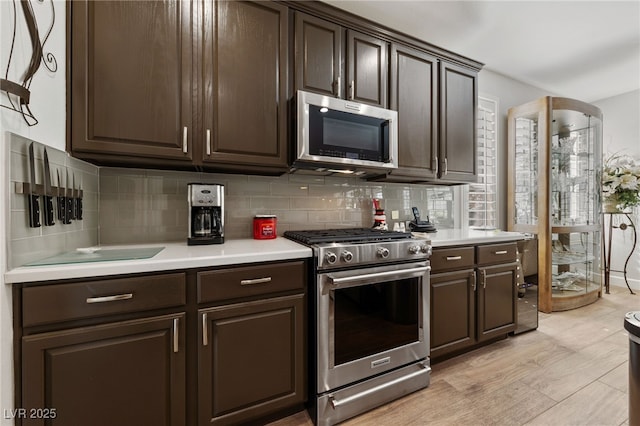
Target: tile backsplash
<point x="140" y="206"/>
<point x="26" y="244"/>
<point x="136" y="206"/>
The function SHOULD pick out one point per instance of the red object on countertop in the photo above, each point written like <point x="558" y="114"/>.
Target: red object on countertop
<point x="264" y="227"/>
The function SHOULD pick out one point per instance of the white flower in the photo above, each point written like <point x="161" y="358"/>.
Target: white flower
<point x="628" y="181"/>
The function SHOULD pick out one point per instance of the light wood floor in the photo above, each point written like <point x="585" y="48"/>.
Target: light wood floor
<point x="573" y="370"/>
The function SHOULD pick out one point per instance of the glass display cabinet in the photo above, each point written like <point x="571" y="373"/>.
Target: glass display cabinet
<point x="554" y="163"/>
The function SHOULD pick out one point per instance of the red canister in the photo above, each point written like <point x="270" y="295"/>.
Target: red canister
<point x="264" y="227"/>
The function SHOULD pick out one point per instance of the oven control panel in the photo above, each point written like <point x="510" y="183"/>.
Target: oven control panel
<point x="339" y="255"/>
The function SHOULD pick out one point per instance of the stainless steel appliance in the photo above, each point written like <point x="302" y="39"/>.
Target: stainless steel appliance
<point x="206" y="213"/>
<point x="336" y="135"/>
<point x="369" y="319"/>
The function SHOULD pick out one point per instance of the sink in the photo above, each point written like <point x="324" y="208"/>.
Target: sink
<point x="98" y="255"/>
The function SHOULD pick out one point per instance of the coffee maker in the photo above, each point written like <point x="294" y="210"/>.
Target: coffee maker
<point x="206" y="213"/>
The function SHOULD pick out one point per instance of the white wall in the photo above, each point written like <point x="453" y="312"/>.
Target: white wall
<point x="48" y="105"/>
<point x="621" y="134"/>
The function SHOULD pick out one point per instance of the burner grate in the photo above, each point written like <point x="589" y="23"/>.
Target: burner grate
<point x="344" y="235"/>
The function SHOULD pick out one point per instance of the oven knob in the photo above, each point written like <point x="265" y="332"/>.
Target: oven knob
<point x="414" y="249"/>
<point x="383" y="252"/>
<point x="347" y="256"/>
<point x="331" y="257"/>
<point x="426" y="248"/>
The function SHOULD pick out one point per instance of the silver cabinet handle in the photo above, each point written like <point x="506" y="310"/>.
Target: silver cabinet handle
<point x="446" y="166"/>
<point x="185" y="147"/>
<point x="205" y="331"/>
<point x="338" y="89"/>
<point x="176" y="337"/>
<point x="453" y="258"/>
<point x="437" y="165"/>
<point x="208" y="141"/>
<point x="501" y="252"/>
<point x="113" y="298"/>
<point x="483" y="276"/>
<point x="256" y="281"/>
<point x="473" y="277"/>
<point x="352" y="87"/>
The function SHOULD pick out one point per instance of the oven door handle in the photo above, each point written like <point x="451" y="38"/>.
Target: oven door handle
<point x="336" y="403"/>
<point x="358" y="279"/>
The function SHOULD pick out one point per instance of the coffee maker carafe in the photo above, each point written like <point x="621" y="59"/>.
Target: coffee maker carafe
<point x="206" y="213"/>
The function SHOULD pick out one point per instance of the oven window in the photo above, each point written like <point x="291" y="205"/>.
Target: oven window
<point x="374" y="318"/>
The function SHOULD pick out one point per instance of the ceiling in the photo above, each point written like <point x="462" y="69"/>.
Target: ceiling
<point x="587" y="50"/>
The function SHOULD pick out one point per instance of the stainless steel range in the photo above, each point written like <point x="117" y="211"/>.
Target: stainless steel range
<point x="369" y="319"/>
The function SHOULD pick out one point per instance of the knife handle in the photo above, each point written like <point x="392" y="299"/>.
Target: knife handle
<point x="48" y="211"/>
<point x="70" y="214"/>
<point x="34" y="211"/>
<point x="62" y="208"/>
<point x="79" y="208"/>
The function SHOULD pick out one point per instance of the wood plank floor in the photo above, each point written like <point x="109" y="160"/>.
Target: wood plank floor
<point x="573" y="370"/>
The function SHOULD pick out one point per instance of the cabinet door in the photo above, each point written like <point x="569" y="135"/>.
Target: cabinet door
<point x="367" y="59"/>
<point x="497" y="298"/>
<point x="458" y="111"/>
<point x="414" y="85"/>
<point x="251" y="360"/>
<point x="453" y="311"/>
<point x="126" y="373"/>
<point x="318" y="55"/>
<point x="131" y="83"/>
<point x="245" y="84"/>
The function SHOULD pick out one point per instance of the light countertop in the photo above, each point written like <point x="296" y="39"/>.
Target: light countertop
<point x="456" y="237"/>
<point x="174" y="256"/>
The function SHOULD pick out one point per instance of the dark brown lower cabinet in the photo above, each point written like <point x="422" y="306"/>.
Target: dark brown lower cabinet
<point x="497" y="298"/>
<point x="128" y="373"/>
<point x="250" y="359"/>
<point x="453" y="314"/>
<point x="476" y="303"/>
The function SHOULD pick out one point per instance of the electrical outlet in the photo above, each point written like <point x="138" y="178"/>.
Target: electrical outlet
<point x="395" y="214"/>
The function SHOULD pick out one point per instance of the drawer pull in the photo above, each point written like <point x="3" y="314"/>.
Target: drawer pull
<point x="256" y="281"/>
<point x="113" y="298"/>
<point x="454" y="258"/>
<point x="501" y="252"/>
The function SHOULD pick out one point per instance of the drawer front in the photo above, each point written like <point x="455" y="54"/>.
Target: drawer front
<point x="497" y="253"/>
<point x="250" y="281"/>
<point x="64" y="302"/>
<point x="454" y="258"/>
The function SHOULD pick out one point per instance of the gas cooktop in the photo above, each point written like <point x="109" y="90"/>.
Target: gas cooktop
<point x="345" y="235"/>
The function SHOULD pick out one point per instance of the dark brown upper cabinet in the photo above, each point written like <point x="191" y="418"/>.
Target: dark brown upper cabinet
<point x="457" y="153"/>
<point x="414" y="94"/>
<point x="131" y="84"/>
<point x="245" y="84"/>
<point x="335" y="61"/>
<point x="180" y="84"/>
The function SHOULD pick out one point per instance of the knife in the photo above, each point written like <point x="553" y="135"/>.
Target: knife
<point x="69" y="204"/>
<point x="62" y="201"/>
<point x="34" y="203"/>
<point x="79" y="203"/>
<point x="76" y="199"/>
<point x="48" y="196"/>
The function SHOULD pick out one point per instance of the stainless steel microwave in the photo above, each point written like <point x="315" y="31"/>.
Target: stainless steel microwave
<point x="338" y="135"/>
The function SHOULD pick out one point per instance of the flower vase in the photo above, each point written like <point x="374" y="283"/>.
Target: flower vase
<point x="610" y="205"/>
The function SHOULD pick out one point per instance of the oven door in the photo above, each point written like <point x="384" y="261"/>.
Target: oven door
<point x="371" y="321"/>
